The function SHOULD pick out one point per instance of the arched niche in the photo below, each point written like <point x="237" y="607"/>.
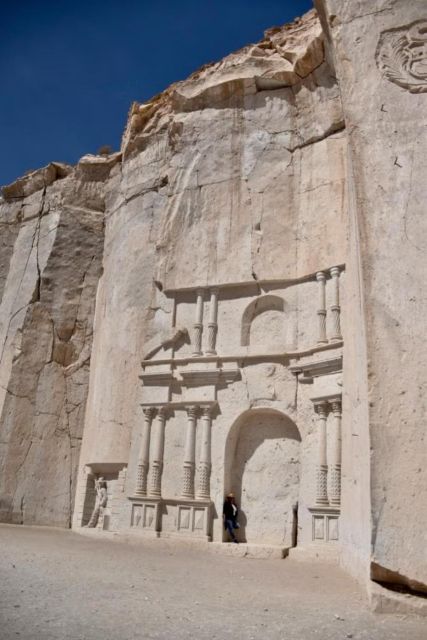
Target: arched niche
<point x="271" y="308"/>
<point x="262" y="468"/>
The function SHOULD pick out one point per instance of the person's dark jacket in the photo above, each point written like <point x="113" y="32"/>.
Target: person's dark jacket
<point x="228" y="510"/>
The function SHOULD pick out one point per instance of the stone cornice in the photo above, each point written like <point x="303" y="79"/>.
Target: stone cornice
<point x="210" y="376"/>
<point x="312" y="370"/>
<point x="327" y="509"/>
<point x="159" y="379"/>
<point x="262" y="357"/>
<point x="181" y="405"/>
<point x="267" y="283"/>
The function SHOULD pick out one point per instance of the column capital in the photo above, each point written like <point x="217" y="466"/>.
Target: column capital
<point x="321" y="407"/>
<point x="200" y="292"/>
<point x="192" y="411"/>
<point x="336" y="406"/>
<point x="162" y="412"/>
<point x="149" y="412"/>
<point x="207" y="412"/>
<point x="335" y="271"/>
<point x="320" y="276"/>
<point x="214" y="291"/>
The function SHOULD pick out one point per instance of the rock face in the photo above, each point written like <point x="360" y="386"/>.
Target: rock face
<point x="249" y="206"/>
<point x="385" y="114"/>
<point x="53" y="235"/>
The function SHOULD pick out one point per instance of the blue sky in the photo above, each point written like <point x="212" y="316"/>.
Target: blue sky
<point x="70" y="69"/>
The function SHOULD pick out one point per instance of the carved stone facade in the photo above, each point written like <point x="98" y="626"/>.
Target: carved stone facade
<point x="224" y="412"/>
<point x="234" y="303"/>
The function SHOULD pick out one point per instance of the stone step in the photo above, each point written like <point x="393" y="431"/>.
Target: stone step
<point x="328" y="552"/>
<point x="248" y="550"/>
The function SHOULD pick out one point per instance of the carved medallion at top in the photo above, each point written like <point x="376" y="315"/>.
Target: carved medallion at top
<point x="402" y="56"/>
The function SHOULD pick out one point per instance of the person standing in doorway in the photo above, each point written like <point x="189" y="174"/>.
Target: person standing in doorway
<point x="229" y="514"/>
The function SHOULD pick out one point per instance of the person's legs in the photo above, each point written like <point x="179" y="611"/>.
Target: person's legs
<point x="229" y="526"/>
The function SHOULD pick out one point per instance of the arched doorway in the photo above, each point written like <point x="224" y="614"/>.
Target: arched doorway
<point x="262" y="469"/>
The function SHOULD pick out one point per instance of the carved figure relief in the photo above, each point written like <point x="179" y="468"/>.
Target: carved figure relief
<point x="100" y="504"/>
<point x="402" y="56"/>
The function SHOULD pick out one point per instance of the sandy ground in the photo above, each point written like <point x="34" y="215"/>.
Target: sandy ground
<point x="61" y="585"/>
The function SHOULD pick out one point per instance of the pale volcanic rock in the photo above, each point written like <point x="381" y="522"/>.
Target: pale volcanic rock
<point x="380" y="59"/>
<point x="35" y="180"/>
<point x="250" y="207"/>
<point x="56" y="224"/>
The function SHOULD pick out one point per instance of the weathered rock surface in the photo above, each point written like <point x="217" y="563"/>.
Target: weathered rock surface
<point x="298" y="155"/>
<point x="51" y="261"/>
<point x="386" y="121"/>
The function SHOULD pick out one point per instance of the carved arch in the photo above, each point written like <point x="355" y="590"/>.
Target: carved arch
<point x="268" y="302"/>
<point x="262" y="468"/>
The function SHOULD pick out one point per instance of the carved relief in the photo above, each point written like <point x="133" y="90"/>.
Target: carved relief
<point x="402" y="56"/>
<point x="100" y="504"/>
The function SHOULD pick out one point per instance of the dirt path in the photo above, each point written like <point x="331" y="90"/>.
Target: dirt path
<point x="60" y="585"/>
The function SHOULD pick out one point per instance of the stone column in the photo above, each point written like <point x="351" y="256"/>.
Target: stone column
<point x="203" y="489"/>
<point x="335" y="467"/>
<point x="213" y="322"/>
<point x="158" y="449"/>
<point x="322" y="468"/>
<point x="198" y="325"/>
<point x="321" y="310"/>
<point x="335" y="307"/>
<point x="189" y="454"/>
<point x="144" y="453"/>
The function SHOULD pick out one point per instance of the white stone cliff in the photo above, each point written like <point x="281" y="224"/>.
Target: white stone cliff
<point x="254" y="210"/>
